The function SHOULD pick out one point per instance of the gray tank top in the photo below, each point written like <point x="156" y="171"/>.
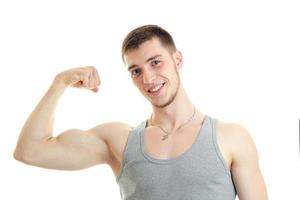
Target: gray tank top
<point x="200" y="173"/>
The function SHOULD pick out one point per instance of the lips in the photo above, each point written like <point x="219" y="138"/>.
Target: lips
<point x="156" y="88"/>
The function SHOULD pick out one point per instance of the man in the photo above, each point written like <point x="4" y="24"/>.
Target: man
<point x="178" y="153"/>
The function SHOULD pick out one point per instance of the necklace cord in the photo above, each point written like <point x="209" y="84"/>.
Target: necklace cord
<point x="167" y="133"/>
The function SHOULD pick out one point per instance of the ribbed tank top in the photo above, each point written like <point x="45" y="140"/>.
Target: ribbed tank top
<point x="200" y="173"/>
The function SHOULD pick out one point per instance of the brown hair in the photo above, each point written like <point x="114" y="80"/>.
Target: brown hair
<point x="144" y="33"/>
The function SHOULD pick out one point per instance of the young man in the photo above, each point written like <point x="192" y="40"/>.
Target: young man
<point x="178" y="153"/>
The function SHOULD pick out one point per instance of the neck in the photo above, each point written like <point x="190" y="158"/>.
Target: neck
<point x="176" y="113"/>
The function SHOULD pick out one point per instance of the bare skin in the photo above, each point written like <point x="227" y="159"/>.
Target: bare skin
<point x="152" y="67"/>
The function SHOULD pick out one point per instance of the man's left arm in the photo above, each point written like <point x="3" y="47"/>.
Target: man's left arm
<point x="245" y="169"/>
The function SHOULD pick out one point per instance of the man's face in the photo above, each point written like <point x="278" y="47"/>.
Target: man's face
<point x="154" y="70"/>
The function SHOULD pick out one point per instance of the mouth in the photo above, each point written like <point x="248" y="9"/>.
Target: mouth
<point x="156" y="89"/>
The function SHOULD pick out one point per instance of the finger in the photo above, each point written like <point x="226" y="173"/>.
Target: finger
<point x="91" y="83"/>
<point x="96" y="80"/>
<point x="96" y="74"/>
<point x="95" y="89"/>
<point x="96" y="77"/>
<point x="85" y="81"/>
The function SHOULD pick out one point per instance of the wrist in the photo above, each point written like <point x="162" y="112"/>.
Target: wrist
<point x="58" y="84"/>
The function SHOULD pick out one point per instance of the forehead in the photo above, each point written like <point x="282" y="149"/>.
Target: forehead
<point x="145" y="51"/>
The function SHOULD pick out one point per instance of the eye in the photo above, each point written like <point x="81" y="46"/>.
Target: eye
<point x="155" y="62"/>
<point x="135" y="72"/>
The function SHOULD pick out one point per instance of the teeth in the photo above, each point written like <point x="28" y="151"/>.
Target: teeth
<point x="156" y="88"/>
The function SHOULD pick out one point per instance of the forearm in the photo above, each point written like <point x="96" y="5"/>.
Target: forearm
<point x="38" y="126"/>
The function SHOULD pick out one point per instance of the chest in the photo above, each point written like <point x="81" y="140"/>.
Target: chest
<point x="178" y="143"/>
<point x="173" y="146"/>
<point x="200" y="171"/>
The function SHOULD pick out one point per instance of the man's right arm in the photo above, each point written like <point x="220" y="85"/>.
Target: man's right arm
<point x="73" y="149"/>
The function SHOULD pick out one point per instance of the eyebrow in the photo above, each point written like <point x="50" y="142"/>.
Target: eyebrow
<point x="148" y="60"/>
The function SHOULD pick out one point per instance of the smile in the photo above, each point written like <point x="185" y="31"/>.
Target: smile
<point x="156" y="88"/>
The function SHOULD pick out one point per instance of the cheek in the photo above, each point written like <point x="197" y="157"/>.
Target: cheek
<point x="138" y="84"/>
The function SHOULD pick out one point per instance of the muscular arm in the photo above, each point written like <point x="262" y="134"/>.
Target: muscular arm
<point x="245" y="168"/>
<point x="72" y="149"/>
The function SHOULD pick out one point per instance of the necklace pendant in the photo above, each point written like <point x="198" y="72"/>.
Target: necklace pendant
<point x="165" y="137"/>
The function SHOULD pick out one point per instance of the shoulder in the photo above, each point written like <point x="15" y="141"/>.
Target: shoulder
<point x="237" y="139"/>
<point x="233" y="131"/>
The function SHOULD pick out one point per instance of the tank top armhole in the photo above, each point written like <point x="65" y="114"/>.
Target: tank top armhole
<point x="123" y="162"/>
<point x="217" y="148"/>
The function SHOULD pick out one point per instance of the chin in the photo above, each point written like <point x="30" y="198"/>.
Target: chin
<point x="162" y="104"/>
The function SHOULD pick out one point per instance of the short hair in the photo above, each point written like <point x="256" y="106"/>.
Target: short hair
<point x="144" y="33"/>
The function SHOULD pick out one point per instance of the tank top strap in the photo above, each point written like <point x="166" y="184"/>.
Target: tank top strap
<point x="132" y="148"/>
<point x="210" y="138"/>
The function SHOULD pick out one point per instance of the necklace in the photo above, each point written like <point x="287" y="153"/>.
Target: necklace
<point x="167" y="133"/>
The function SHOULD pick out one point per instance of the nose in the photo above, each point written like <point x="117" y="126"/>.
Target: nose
<point x="148" y="76"/>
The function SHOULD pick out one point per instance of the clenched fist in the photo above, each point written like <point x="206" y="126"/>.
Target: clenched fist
<point x="82" y="77"/>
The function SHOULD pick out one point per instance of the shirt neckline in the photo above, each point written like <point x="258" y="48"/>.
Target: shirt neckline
<point x="182" y="155"/>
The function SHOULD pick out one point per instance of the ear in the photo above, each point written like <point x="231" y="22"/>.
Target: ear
<point x="178" y="58"/>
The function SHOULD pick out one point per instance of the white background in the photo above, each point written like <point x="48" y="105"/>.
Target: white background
<point x="241" y="65"/>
